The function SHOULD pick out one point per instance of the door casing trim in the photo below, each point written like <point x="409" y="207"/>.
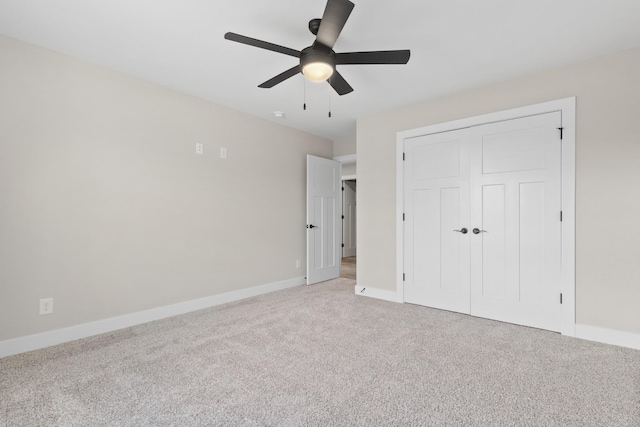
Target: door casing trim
<point x="567" y="108"/>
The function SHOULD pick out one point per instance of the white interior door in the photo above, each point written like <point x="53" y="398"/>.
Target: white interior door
<point x="516" y="203"/>
<point x="499" y="186"/>
<point x="349" y="218"/>
<point x="324" y="225"/>
<point x="436" y="195"/>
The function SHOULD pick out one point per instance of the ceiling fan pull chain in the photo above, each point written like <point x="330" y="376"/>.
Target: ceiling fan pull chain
<point x="304" y="106"/>
<point x="329" y="102"/>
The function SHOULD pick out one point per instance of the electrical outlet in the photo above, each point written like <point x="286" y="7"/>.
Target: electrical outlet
<point x="46" y="306"/>
<point x="199" y="148"/>
<point x="297" y="263"/>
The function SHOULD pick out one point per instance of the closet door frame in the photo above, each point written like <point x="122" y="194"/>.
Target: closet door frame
<point x="567" y="107"/>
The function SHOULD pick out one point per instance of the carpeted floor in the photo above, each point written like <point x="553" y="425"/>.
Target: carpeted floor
<point x="321" y="356"/>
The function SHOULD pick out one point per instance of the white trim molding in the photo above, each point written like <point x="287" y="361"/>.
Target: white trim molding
<point x="72" y="333"/>
<point x="378" y="293"/>
<point x="608" y="336"/>
<point x="347" y="159"/>
<point x="567" y="107"/>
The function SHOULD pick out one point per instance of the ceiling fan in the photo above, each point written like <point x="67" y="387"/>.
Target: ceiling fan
<point x="318" y="61"/>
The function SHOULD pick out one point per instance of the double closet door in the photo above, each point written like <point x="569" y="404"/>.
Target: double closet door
<point x="482" y="230"/>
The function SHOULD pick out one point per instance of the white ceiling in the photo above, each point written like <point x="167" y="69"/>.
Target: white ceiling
<point x="455" y="45"/>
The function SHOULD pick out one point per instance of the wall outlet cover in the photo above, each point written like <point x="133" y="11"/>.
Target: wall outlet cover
<point x="46" y="306"/>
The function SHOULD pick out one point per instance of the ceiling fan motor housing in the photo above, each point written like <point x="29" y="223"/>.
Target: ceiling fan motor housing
<point x="317" y="53"/>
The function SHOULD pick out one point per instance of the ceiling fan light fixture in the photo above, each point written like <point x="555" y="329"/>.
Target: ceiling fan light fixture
<point x="317" y="71"/>
<point x="317" y="63"/>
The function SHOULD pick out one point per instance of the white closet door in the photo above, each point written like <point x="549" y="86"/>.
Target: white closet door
<point x="516" y="196"/>
<point x="436" y="185"/>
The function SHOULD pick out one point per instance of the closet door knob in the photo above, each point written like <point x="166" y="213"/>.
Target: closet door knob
<point x="463" y="231"/>
<point x="478" y="231"/>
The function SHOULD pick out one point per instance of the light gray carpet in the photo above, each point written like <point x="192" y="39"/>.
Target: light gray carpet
<point x="322" y="356"/>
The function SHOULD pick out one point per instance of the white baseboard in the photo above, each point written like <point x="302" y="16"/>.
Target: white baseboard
<point x="59" y="336"/>
<point x="608" y="336"/>
<point x="377" y="293"/>
<point x="585" y="332"/>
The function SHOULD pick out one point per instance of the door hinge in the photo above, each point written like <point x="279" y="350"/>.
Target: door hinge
<point x="343" y="245"/>
<point x="342" y="188"/>
<point x="560" y="216"/>
<point x="561" y="132"/>
<point x="560" y="298"/>
<point x="342" y="216"/>
<point x="403" y="217"/>
<point x="404" y="157"/>
<point x="403" y="277"/>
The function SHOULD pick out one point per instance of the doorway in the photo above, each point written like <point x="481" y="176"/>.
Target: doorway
<point x="349" y="215"/>
<point x="348" y="218"/>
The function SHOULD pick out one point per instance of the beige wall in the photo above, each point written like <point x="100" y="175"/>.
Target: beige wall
<point x="105" y="206"/>
<point x="349" y="170"/>
<point x="607" y="178"/>
<point x="344" y="146"/>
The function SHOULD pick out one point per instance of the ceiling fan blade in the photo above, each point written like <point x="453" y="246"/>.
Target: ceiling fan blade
<point x="376" y="57"/>
<point x="262" y="44"/>
<point x="335" y="16"/>
<point x="339" y="84"/>
<point x="281" y="77"/>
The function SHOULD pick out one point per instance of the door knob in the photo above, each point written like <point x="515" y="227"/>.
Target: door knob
<point x="312" y="226"/>
<point x="478" y="231"/>
<point x="463" y="231"/>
